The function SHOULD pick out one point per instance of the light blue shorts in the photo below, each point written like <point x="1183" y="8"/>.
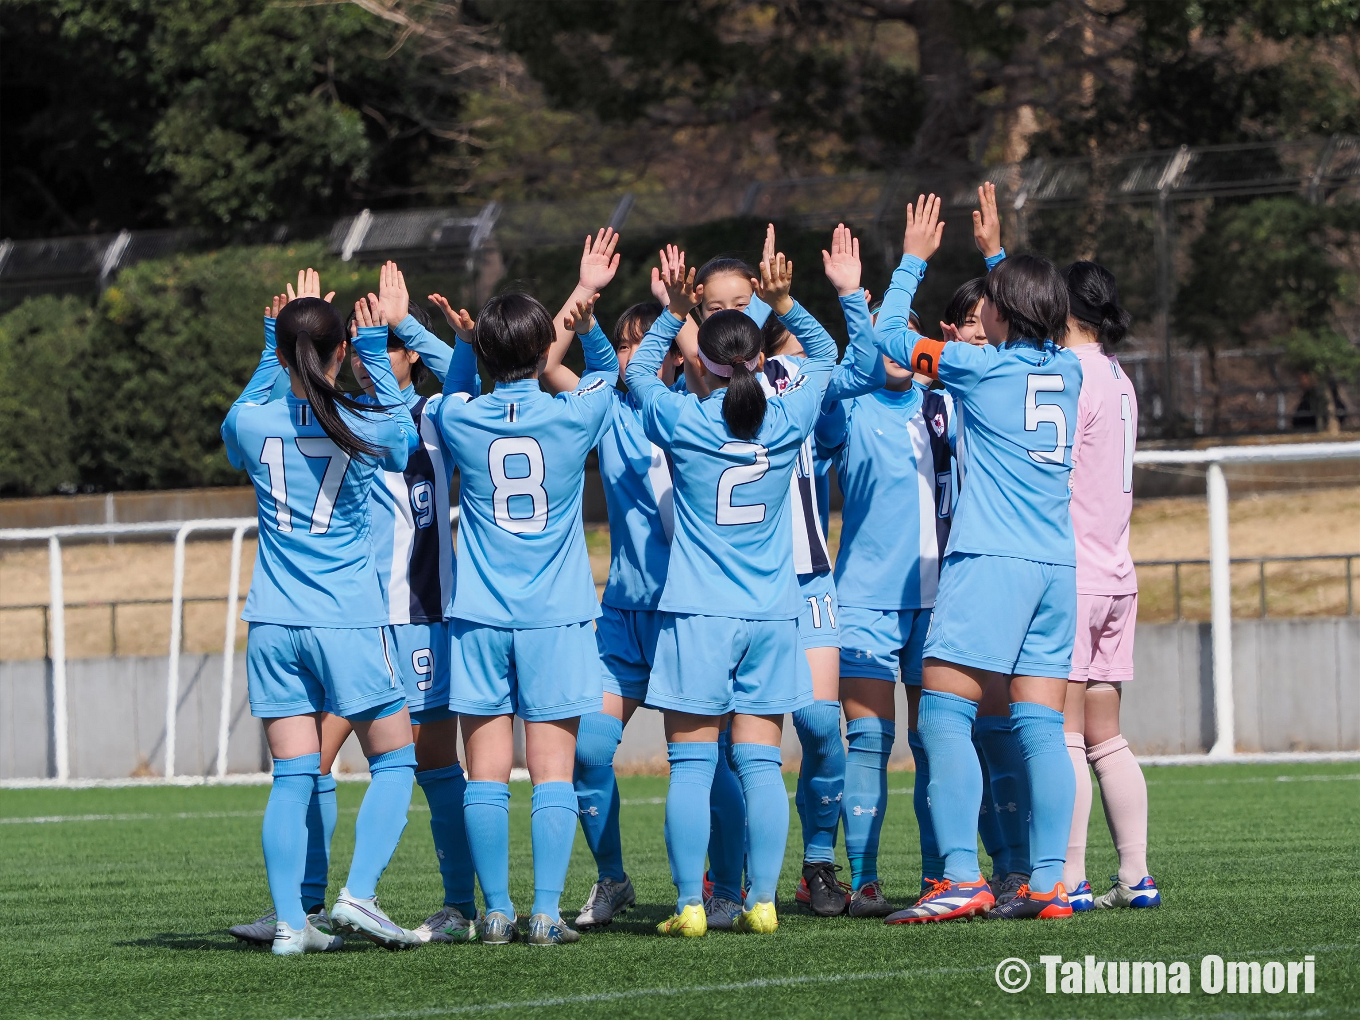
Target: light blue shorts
<point x="300" y="670"/>
<point x="883" y="643"/>
<point x="420" y="654"/>
<point x="711" y="665"/>
<point x="817" y="623"/>
<point x="1005" y="614"/>
<point x="538" y="674"/>
<point x="627" y="642"/>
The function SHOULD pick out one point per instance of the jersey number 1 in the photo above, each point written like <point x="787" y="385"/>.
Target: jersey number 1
<point x="332" y="477"/>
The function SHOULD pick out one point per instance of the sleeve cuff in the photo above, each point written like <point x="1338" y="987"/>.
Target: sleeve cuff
<point x="995" y="260"/>
<point x="913" y="265"/>
<point x="408" y="328"/>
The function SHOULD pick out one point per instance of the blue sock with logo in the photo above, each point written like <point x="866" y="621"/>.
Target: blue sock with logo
<point x="284" y="834"/>
<point x="382" y="818"/>
<point x="767" y="817"/>
<point x="1039" y="732"/>
<point x="945" y="722"/>
<point x="989" y="820"/>
<point x="821" y="777"/>
<point x="1010" y="788"/>
<point x="486" y="813"/>
<point x="552" y="823"/>
<point x="932" y="864"/>
<point x="727" y="825"/>
<point x="322" y="813"/>
<point x="597" y="791"/>
<point x="866" y="793"/>
<point x="692" y="767"/>
<point x="444" y="791"/>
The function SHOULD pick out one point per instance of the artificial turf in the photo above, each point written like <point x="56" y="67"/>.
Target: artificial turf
<point x="124" y="915"/>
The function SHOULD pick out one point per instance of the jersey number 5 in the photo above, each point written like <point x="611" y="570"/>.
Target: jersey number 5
<point x="526" y="486"/>
<point x="332" y="477"/>
<point x="741" y="474"/>
<point x="1036" y="414"/>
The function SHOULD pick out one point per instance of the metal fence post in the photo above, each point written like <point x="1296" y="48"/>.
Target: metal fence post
<point x="61" y="748"/>
<point x="176" y="639"/>
<point x="1220" y="599"/>
<point x="229" y="650"/>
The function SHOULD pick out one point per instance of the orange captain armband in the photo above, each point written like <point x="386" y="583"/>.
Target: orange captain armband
<point x="925" y="357"/>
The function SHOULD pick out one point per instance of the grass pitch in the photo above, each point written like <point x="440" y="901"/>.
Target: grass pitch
<point x="115" y="904"/>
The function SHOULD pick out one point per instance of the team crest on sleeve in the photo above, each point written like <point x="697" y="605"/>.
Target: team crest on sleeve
<point x="937" y="423"/>
<point x="789" y="385"/>
<point x="597" y="384"/>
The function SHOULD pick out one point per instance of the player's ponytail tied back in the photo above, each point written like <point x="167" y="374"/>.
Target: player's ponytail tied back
<point x="309" y="332"/>
<point x="1094" y="300"/>
<point x="729" y="345"/>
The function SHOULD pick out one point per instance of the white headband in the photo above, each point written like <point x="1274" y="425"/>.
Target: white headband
<point x="725" y="371"/>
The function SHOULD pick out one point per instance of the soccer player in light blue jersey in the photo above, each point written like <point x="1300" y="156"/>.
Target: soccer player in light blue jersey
<point x="728" y="640"/>
<point x="892" y="451"/>
<point x="821" y="776"/>
<point x="318" y="623"/>
<point x="524" y="609"/>
<point x="1007" y="599"/>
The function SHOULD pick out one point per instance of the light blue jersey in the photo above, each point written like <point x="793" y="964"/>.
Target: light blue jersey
<point x="412" y="536"/>
<point x="892" y="456"/>
<point x="521" y="455"/>
<point x="315" y="565"/>
<point x="732" y="554"/>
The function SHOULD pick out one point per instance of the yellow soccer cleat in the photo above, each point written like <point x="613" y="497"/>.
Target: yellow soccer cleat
<point x="759" y="920"/>
<point x="690" y="923"/>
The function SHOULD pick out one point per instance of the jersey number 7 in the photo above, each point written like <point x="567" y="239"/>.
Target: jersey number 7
<point x="332" y="477"/>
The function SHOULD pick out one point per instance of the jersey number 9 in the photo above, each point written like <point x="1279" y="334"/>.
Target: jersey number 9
<point x="521" y="487"/>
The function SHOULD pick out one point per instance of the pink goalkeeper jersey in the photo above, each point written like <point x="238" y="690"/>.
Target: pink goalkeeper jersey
<point x="1102" y="474"/>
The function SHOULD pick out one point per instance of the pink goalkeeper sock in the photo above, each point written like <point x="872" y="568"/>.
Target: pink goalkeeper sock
<point x="1074" y="871"/>
<point x="1124" y="793"/>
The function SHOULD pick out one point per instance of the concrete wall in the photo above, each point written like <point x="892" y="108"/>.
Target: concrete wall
<point x="1297" y="688"/>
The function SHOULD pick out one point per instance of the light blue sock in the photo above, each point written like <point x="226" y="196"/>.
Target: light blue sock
<point x="284" y="834"/>
<point x="486" y="813"/>
<point x="727" y="825"/>
<point x="767" y="817"/>
<point x="322" y="813"/>
<point x="866" y="793"/>
<point x="1010" y="788"/>
<point x="1039" y="732"/>
<point x="382" y="818"/>
<point x="822" y="777"/>
<point x="932" y="864"/>
<point x="552" y="823"/>
<point x="692" y="767"/>
<point x="989" y="819"/>
<point x="945" y="722"/>
<point x="444" y="791"/>
<point x="597" y="791"/>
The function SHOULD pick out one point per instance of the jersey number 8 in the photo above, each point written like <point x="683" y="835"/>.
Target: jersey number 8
<point x="525" y="486"/>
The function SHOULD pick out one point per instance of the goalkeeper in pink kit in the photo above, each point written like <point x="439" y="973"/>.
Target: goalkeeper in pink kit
<point x="1107" y="595"/>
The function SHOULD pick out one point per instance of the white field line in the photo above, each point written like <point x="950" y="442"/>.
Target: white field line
<point x="232" y="779"/>
<point x="784" y="982"/>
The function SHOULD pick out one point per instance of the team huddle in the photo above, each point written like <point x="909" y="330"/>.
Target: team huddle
<point x="983" y="562"/>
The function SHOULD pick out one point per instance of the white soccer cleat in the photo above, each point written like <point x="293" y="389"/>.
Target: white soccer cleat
<point x="607" y="898"/>
<point x="722" y="912"/>
<point x="289" y="941"/>
<point x="364" y="917"/>
<point x="1144" y="894"/>
<point x="448" y="925"/>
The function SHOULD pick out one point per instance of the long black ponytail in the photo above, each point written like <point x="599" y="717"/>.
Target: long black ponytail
<point x="1093" y="298"/>
<point x="729" y="339"/>
<point x="308" y="333"/>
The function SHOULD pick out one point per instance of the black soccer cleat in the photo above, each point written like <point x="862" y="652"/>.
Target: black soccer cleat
<point x="821" y="891"/>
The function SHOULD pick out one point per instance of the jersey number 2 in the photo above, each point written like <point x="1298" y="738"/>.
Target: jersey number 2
<point x="1036" y="414"/>
<point x="332" y="477"/>
<point x="529" y="486"/>
<point x="741" y="474"/>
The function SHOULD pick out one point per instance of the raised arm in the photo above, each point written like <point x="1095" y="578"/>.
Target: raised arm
<point x="462" y="370"/>
<point x="660" y="406"/>
<point x="802" y="400"/>
<point x="599" y="263"/>
<point x="921" y="240"/>
<point x="370" y="343"/>
<point x="861" y="370"/>
<point x="987" y="226"/>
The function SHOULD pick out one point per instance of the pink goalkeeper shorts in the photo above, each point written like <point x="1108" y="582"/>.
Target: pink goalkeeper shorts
<point x="1103" y="651"/>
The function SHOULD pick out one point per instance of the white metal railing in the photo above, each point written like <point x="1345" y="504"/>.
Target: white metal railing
<point x="56" y="651"/>
<point x="1220" y="580"/>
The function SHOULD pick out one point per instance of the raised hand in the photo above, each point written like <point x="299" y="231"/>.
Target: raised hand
<point x="599" y="262"/>
<point x="392" y="294"/>
<point x="776" y="280"/>
<point x="842" y="263"/>
<point x="308" y="285"/>
<point x="678" y="280"/>
<point x="369" y="312"/>
<point x="987" y="221"/>
<point x="581" y="319"/>
<point x="271" y="311"/>
<point x="767" y="251"/>
<point x="658" y="287"/>
<point x="924" y="229"/>
<point x="949" y="332"/>
<point x="460" y="320"/>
